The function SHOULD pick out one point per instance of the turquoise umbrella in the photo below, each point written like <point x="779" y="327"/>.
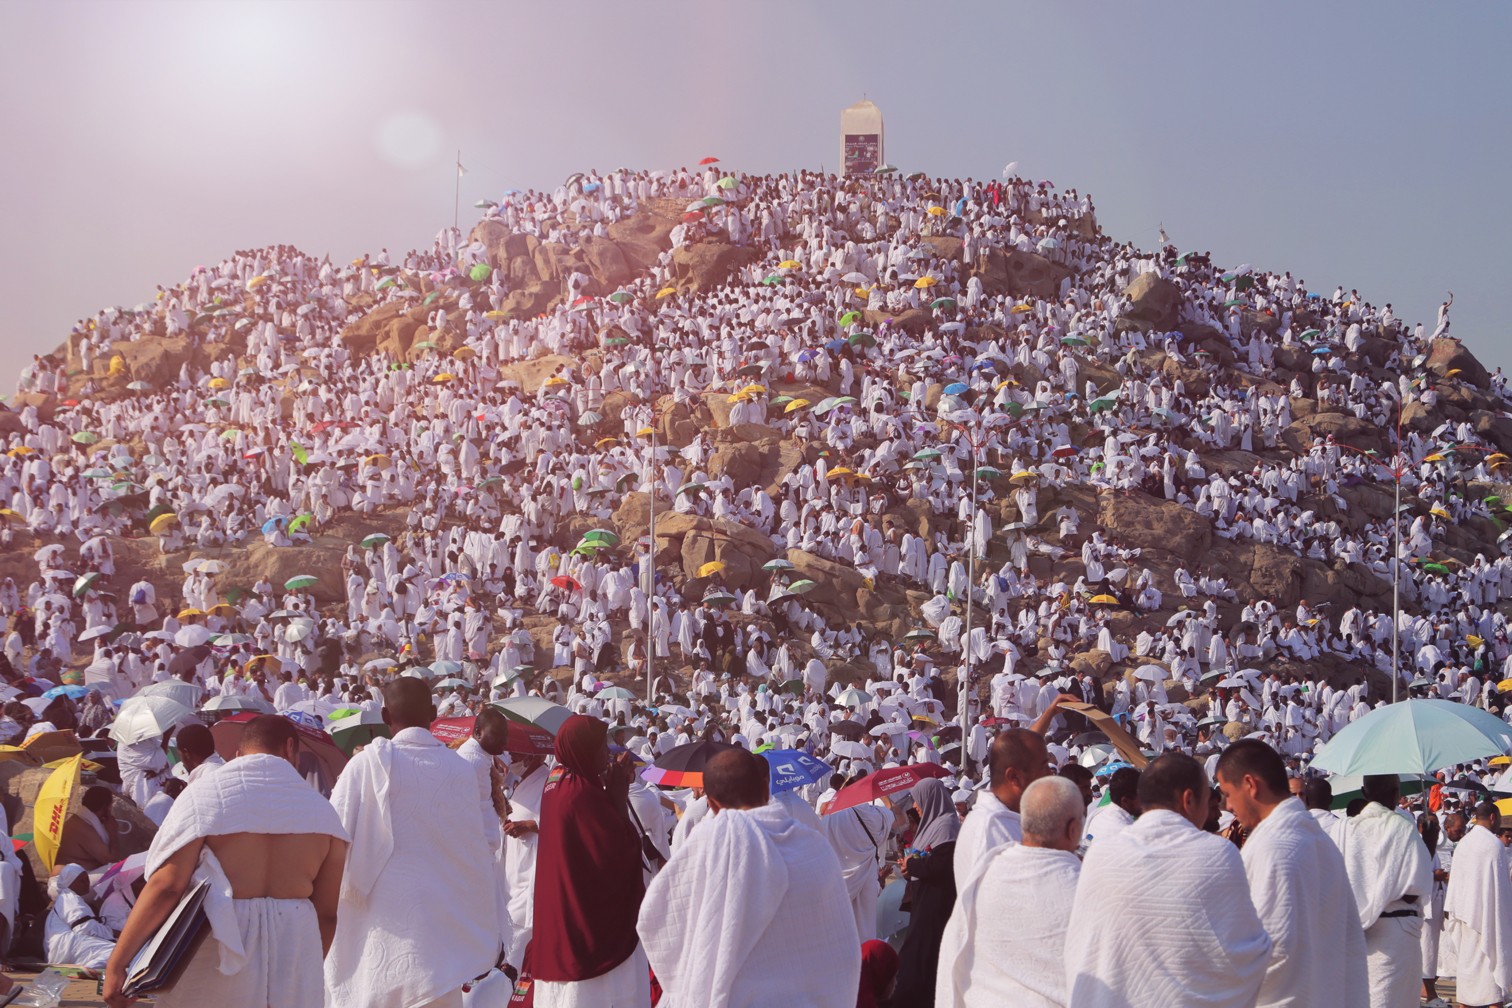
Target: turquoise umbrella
<point x="1414" y="737"/>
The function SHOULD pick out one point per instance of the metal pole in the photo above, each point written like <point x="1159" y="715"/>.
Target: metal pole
<point x="964" y="701"/>
<point x="1396" y="576"/>
<point x="650" y="572"/>
<point x="457" y="198"/>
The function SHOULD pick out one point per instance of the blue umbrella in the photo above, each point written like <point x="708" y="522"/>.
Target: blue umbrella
<point x="72" y="692"/>
<point x="271" y="524"/>
<point x="1322" y="351"/>
<point x="956" y="388"/>
<point x="808" y="355"/>
<point x="793" y="768"/>
<point x="1414" y="737"/>
<point x="834" y="345"/>
<point x="1108" y="770"/>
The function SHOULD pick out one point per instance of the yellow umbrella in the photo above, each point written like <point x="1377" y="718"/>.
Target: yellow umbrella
<point x="712" y="567"/>
<point x="1022" y="476"/>
<point x="1505" y="686"/>
<point x="444" y="377"/>
<point x="222" y="609"/>
<point x="754" y="390"/>
<point x="1435" y="457"/>
<point x="795" y="405"/>
<point x="1103" y="600"/>
<point x="379" y="459"/>
<point x="840" y="471"/>
<point x="51" y="810"/>
<point x="555" y="381"/>
<point x="256" y="282"/>
<point x="936" y="211"/>
<point x="9" y="513"/>
<point x="1504" y="806"/>
<point x="925" y="282"/>
<point x="1499" y="761"/>
<point x="644" y="432"/>
<point x="496" y="313"/>
<point x="162" y="523"/>
<point x="1438" y="511"/>
<point x="666" y="292"/>
<point x="1474" y="640"/>
<point x="790" y="264"/>
<point x="1020" y="309"/>
<point x="191" y="613"/>
<point x="464" y="353"/>
<point x="219" y="383"/>
<point x="263" y="659"/>
<point x="20" y="451"/>
<point x="605" y="442"/>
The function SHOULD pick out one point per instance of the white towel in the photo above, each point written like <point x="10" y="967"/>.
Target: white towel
<point x="751" y="912"/>
<point x="258" y="793"/>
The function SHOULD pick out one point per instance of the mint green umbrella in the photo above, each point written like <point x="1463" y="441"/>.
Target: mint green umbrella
<point x="1414" y="737"/>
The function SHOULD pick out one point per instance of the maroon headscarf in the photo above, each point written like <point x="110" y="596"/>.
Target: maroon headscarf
<point x="879" y="967"/>
<point x="588" y="884"/>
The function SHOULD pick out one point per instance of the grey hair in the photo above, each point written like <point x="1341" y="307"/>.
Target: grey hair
<point x="1047" y="805"/>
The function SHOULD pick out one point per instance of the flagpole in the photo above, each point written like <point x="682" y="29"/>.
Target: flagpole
<point x="457" y="199"/>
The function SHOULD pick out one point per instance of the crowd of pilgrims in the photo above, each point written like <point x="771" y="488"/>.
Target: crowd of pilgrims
<point x="294" y="433"/>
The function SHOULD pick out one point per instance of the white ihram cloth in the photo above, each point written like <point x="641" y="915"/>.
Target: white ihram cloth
<point x="1478" y="911"/>
<point x="989" y="958"/>
<point x="857" y="834"/>
<point x="418" y="918"/>
<point x="1163" y="917"/>
<point x="269" y="950"/>
<point x="751" y="912"/>
<point x="520" y="862"/>
<point x="990" y="825"/>
<point x="1387" y="860"/>
<point x="1301" y="891"/>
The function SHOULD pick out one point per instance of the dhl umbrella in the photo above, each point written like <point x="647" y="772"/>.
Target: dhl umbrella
<point x="162" y="523"/>
<point x="790" y="264"/>
<point x="52" y="809"/>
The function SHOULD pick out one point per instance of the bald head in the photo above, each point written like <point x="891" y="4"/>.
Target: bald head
<point x="407" y="704"/>
<point x="736" y="779"/>
<point x="1018" y="759"/>
<point x="1052" y="811"/>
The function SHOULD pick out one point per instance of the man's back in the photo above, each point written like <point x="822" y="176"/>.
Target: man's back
<point x="1301" y="891"/>
<point x="1163" y="916"/>
<point x="750" y="912"/>
<point x="418" y="917"/>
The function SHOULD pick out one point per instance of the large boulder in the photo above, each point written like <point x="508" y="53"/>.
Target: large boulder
<point x="642" y="238"/>
<point x="155" y="361"/>
<point x="1019" y="274"/>
<point x="1448" y="358"/>
<point x="245" y="566"/>
<point x="707" y="265"/>
<point x="1343" y="428"/>
<point x="1153" y="300"/>
<point x="1137" y="519"/>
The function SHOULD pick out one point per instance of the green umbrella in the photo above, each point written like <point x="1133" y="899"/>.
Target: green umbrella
<point x="616" y="341"/>
<point x="358" y="730"/>
<point x="988" y="473"/>
<point x="1244" y="282"/>
<point x="1414" y="737"/>
<point x="620" y="297"/>
<point x="1101" y="403"/>
<point x="1435" y="568"/>
<point x="802" y="586"/>
<point x="429" y="298"/>
<point x="480" y="272"/>
<point x="849" y="317"/>
<point x="944" y="302"/>
<point x="301" y="581"/>
<point x="373" y="540"/>
<point x="298" y="451"/>
<point x="1310" y="333"/>
<point x="862" y="339"/>
<point x="690" y="488"/>
<point x="776" y="565"/>
<point x="85" y="437"/>
<point x="728" y="182"/>
<point x="711" y="201"/>
<point x="217" y="401"/>
<point x="772" y="280"/>
<point x="1073" y="341"/>
<point x="602" y="535"/>
<point x="718" y="598"/>
<point x="84" y="583"/>
<point x="919" y="634"/>
<point x="1234" y="301"/>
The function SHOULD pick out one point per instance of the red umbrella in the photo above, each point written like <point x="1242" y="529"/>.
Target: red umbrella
<point x="692" y="215"/>
<point x="563" y="581"/>
<point x="884" y="783"/>
<point x="318" y="753"/>
<point x="522" y="740"/>
<point x="709" y="160"/>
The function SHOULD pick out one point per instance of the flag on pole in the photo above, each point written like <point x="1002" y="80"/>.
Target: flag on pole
<point x="460" y="170"/>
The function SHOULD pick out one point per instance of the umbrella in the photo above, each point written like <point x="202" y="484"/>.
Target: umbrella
<point x="851" y="750"/>
<point x="192" y="636"/>
<point x="856" y="698"/>
<point x="1414" y="737"/>
<point x="451" y="682"/>
<point x="563" y="581"/>
<point x="520" y="739"/>
<point x="712" y="567"/>
<point x="956" y="388"/>
<point x="84" y="583"/>
<point x="682" y="766"/>
<point x="373" y="540"/>
<point x="301" y="581"/>
<point x="52" y="809"/>
<point x="162" y="523"/>
<point x="616" y="693"/>
<point x="537" y="711"/>
<point x="234" y="702"/>
<point x="884" y="783"/>
<point x="793" y="768"/>
<point x="319" y="755"/>
<point x="145" y="717"/>
<point x="174" y="689"/>
<point x="848" y="730"/>
<point x="72" y="692"/>
<point x="358" y="729"/>
<point x="718" y="598"/>
<point x="1151" y="673"/>
<point x="776" y="565"/>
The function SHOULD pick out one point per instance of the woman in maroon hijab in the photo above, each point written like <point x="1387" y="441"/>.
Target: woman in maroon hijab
<point x="588" y="885"/>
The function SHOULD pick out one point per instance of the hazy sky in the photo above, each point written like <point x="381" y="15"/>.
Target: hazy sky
<point x="1357" y="143"/>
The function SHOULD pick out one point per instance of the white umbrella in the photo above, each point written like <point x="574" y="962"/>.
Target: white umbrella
<point x="93" y="632"/>
<point x="1232" y="681"/>
<point x="174" y="689"/>
<point x="142" y="718"/>
<point x="298" y="630"/>
<point x="857" y="698"/>
<point x="234" y="702"/>
<point x="889" y="729"/>
<point x="192" y="636"/>
<point x="851" y="750"/>
<point x="1151" y="673"/>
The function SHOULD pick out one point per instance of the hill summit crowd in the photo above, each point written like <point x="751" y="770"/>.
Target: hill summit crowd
<point x="784" y="814"/>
